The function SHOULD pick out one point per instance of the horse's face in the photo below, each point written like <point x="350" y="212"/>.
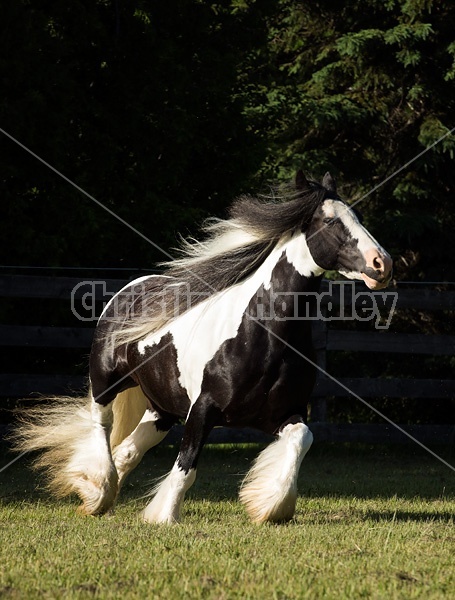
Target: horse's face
<point x="339" y="242"/>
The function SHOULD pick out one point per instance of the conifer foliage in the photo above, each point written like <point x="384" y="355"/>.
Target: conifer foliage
<point x="166" y="110"/>
<point x="361" y="88"/>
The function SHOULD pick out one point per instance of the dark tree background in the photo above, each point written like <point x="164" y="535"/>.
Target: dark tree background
<point x="166" y="110"/>
<point x="362" y="88"/>
<point x="140" y="104"/>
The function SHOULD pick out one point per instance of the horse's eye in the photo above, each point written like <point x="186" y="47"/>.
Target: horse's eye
<point x="331" y="220"/>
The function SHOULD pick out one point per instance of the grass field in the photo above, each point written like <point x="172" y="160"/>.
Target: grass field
<point x="370" y="523"/>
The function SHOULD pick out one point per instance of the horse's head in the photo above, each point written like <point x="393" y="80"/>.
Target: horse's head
<point x="338" y="241"/>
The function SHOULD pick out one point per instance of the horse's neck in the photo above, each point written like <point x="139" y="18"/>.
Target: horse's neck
<point x="299" y="256"/>
<point x="294" y="269"/>
<point x="288" y="308"/>
<point x="287" y="280"/>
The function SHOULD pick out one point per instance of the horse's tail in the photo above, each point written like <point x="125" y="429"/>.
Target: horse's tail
<point x="72" y="452"/>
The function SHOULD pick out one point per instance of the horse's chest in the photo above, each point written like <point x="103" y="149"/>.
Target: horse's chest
<point x="256" y="376"/>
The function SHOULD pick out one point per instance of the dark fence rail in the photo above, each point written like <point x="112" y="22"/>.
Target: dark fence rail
<point x="26" y="385"/>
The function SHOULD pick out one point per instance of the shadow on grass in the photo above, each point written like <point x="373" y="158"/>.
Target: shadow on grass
<point x="329" y="470"/>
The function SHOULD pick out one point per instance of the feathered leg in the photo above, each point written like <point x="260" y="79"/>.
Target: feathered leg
<point x="269" y="490"/>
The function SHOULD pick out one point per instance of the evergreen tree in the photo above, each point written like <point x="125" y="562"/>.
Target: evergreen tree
<point x="361" y="88"/>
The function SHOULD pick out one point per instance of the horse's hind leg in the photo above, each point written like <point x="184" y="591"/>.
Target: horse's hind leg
<point x="91" y="470"/>
<point x="170" y="492"/>
<point x="269" y="490"/>
<point x="150" y="431"/>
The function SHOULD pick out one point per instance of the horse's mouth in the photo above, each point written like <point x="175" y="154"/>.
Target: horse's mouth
<point x="376" y="284"/>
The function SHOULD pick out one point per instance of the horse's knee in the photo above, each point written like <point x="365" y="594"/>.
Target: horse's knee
<point x="298" y="435"/>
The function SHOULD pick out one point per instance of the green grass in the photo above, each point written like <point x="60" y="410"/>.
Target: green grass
<point x="371" y="523"/>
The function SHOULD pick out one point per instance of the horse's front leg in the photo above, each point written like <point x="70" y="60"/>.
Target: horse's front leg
<point x="269" y="490"/>
<point x="170" y="492"/>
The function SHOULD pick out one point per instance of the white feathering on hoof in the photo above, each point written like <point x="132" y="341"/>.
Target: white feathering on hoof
<point x="269" y="490"/>
<point x="72" y="436"/>
<point x="92" y="474"/>
<point x="74" y="450"/>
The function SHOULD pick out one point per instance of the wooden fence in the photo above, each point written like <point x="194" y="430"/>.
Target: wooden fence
<point x="327" y="339"/>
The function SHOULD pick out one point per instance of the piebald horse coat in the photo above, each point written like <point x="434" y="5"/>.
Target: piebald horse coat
<point x="216" y="340"/>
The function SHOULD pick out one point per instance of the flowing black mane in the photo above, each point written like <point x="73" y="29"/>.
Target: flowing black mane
<point x="284" y="212"/>
<point x="236" y="247"/>
<point x="232" y="250"/>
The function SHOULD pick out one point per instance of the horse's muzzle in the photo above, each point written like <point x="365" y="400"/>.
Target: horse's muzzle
<point x="378" y="271"/>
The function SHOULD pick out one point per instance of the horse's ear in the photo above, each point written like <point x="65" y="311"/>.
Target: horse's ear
<point x="301" y="182"/>
<point x="329" y="183"/>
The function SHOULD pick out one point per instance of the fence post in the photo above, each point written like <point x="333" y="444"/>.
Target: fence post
<point x="319" y="402"/>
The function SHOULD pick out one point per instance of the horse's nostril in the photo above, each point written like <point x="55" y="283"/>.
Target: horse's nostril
<point x="377" y="263"/>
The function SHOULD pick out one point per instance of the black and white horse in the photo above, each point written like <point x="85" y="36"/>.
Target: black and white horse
<point x="215" y="340"/>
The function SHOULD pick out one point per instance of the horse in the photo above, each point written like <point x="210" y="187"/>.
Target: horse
<point x="215" y="340"/>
